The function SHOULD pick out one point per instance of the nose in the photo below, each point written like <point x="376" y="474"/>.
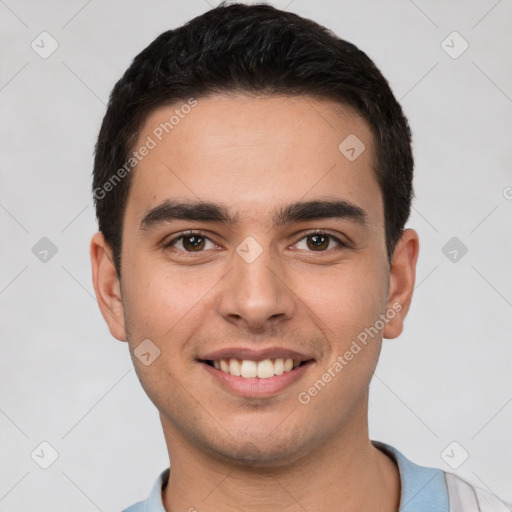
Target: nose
<point x="255" y="294"/>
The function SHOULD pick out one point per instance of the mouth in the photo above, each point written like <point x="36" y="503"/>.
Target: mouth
<point x="251" y="369"/>
<point x="255" y="374"/>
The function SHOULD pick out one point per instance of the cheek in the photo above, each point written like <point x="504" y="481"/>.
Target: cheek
<point x="161" y="299"/>
<point x="345" y="300"/>
<point x="346" y="309"/>
<point x="164" y="306"/>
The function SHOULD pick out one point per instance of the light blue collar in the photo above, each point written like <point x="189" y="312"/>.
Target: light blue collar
<point x="422" y="489"/>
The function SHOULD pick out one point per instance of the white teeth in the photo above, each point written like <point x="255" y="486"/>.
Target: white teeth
<point x="261" y="369"/>
<point x="265" y="369"/>
<point x="249" y="368"/>
<point x="234" y="367"/>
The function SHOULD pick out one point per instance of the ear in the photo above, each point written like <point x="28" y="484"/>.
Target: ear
<point x="402" y="276"/>
<point x="107" y="286"/>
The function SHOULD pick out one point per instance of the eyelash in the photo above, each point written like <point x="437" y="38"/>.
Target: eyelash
<point x="187" y="234"/>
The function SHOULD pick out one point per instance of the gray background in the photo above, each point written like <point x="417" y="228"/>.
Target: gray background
<point x="66" y="381"/>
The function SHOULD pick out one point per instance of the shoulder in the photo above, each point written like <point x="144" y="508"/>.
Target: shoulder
<point x="434" y="490"/>
<point x="136" y="507"/>
<point x="465" y="497"/>
<point x="153" y="503"/>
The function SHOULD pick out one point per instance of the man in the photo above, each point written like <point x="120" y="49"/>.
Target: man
<point x="252" y="178"/>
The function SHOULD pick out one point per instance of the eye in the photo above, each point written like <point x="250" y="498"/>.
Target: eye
<point x="319" y="242"/>
<point x="191" y="242"/>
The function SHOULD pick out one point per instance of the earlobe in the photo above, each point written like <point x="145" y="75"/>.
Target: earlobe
<point x="402" y="277"/>
<point x="107" y="286"/>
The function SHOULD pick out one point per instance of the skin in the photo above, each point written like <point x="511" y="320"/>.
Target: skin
<point x="254" y="155"/>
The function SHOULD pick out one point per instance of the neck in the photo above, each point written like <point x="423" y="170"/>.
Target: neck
<point x="346" y="470"/>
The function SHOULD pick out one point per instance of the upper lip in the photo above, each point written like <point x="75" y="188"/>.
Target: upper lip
<point x="255" y="354"/>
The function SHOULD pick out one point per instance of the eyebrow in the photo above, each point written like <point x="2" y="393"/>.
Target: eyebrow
<point x="169" y="211"/>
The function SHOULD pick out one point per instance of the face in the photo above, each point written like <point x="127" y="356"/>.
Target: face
<point x="254" y="243"/>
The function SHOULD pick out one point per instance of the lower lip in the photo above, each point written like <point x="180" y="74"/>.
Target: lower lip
<point x="255" y="387"/>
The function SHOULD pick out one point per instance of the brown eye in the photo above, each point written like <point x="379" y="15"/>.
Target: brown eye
<point x="318" y="242"/>
<point x="193" y="243"/>
<point x="190" y="242"/>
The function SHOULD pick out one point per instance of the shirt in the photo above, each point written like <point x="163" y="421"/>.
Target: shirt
<point x="423" y="489"/>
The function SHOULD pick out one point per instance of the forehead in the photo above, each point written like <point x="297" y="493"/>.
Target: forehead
<point x="251" y="152"/>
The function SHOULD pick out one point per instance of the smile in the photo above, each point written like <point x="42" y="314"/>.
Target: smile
<point x="256" y="379"/>
<point x="248" y="369"/>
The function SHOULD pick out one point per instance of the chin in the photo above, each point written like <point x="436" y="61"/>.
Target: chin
<point x="261" y="451"/>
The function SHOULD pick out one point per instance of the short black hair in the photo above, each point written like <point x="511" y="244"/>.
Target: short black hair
<point x="254" y="49"/>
